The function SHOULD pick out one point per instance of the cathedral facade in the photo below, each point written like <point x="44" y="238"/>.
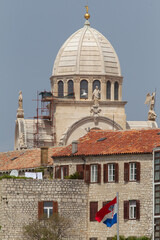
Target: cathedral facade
<point x="86" y="93"/>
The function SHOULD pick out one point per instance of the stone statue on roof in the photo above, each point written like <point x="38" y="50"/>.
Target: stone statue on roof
<point x="96" y="96"/>
<point x="150" y="101"/>
<point x="20" y="112"/>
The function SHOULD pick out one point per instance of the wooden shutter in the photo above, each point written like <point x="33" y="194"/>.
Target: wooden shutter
<point x="105" y="173"/>
<point x="80" y="170"/>
<point x="55" y="207"/>
<point x="40" y="210"/>
<point x="126" y="172"/>
<point x="87" y="173"/>
<point x="116" y="172"/>
<point x="138" y="167"/>
<point x="65" y="170"/>
<point x="57" y="172"/>
<point x="99" y="173"/>
<point x="137" y="209"/>
<point x="93" y="210"/>
<point x="126" y="210"/>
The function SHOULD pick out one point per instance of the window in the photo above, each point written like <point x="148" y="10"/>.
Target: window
<point x="47" y="208"/>
<point x="110" y="172"/>
<point x="70" y="89"/>
<point x="157" y="167"/>
<point x="132" y="210"/>
<point x="94" y="173"/>
<point x="157" y="200"/>
<point x="93" y="210"/>
<point x="132" y="171"/>
<point x="108" y="90"/>
<point x="84" y="89"/>
<point x="116" y="88"/>
<point x="93" y="238"/>
<point x="156" y="228"/>
<point x="80" y="170"/>
<point x="60" y="89"/>
<point x="61" y="171"/>
<point x="96" y="83"/>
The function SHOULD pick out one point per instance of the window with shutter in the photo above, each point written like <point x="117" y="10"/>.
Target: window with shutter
<point x="61" y="171"/>
<point x="132" y="171"/>
<point x="132" y="210"/>
<point x="110" y="172"/>
<point x="99" y="173"/>
<point x="93" y="210"/>
<point x="105" y="173"/>
<point x="80" y="170"/>
<point x="40" y="210"/>
<point x="126" y="210"/>
<point x="116" y="172"/>
<point x="87" y="173"/>
<point x="126" y="172"/>
<point x="47" y="209"/>
<point x="137" y="209"/>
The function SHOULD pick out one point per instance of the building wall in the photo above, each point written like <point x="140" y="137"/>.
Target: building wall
<point x="19" y="204"/>
<point x="103" y="192"/>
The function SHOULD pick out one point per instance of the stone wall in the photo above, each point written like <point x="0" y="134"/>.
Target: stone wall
<point x="19" y="204"/>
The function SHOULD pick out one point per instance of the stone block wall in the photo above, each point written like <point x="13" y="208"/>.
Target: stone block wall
<point x="102" y="192"/>
<point x="19" y="204"/>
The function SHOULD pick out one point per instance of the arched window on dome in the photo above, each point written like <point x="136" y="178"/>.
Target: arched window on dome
<point x="84" y="89"/>
<point x="70" y="89"/>
<point x="60" y="89"/>
<point x="108" y="90"/>
<point x="116" y="88"/>
<point x="98" y="84"/>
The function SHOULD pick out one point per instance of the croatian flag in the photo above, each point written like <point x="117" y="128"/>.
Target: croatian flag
<point x="108" y="214"/>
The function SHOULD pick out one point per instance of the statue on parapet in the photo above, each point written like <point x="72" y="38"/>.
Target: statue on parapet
<point x="96" y="96"/>
<point x="20" y="112"/>
<point x="150" y="101"/>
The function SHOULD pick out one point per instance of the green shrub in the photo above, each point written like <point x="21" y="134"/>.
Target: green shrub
<point x="143" y="238"/>
<point x="5" y="176"/>
<point x="120" y="237"/>
<point x="75" y="175"/>
<point x="131" y="238"/>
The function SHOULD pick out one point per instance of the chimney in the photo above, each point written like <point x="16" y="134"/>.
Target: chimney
<point x="74" y="147"/>
<point x="44" y="156"/>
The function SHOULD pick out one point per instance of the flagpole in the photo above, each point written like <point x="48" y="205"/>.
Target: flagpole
<point x="117" y="216"/>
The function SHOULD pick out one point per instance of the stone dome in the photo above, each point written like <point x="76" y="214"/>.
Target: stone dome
<point x="86" y="51"/>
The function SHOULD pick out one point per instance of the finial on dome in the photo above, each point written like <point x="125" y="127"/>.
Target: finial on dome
<point x="87" y="15"/>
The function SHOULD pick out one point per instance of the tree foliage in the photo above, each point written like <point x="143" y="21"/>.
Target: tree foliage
<point x="53" y="228"/>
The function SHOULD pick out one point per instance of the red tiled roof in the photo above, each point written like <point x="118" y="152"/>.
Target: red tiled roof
<point x="114" y="142"/>
<point x="30" y="158"/>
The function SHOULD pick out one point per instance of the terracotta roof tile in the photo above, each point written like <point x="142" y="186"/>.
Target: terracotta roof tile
<point x="30" y="158"/>
<point x="114" y="142"/>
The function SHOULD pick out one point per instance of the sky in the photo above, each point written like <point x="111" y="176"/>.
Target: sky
<point x="32" y="32"/>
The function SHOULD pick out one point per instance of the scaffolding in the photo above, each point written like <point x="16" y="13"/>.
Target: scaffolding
<point x="44" y="122"/>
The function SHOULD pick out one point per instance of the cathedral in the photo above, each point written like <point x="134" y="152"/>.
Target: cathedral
<point x="86" y="93"/>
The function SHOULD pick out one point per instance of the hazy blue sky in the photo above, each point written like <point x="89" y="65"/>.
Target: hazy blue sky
<point x="32" y="31"/>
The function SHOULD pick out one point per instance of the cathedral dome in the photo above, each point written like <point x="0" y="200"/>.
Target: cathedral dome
<point x="86" y="51"/>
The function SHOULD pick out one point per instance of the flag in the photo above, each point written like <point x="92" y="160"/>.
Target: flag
<point x="108" y="214"/>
